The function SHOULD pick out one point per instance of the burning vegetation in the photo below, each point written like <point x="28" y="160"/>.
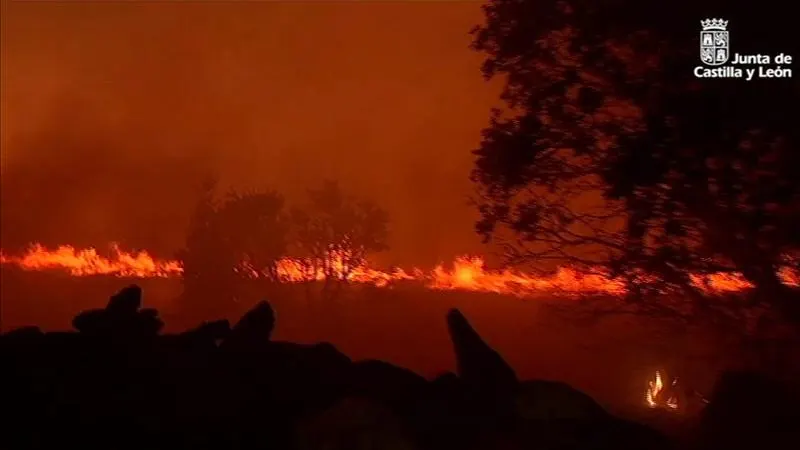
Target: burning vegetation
<point x="659" y="395"/>
<point x="464" y="273"/>
<point x="682" y="198"/>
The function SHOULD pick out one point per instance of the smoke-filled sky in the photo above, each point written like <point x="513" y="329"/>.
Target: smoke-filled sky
<point x="113" y="113"/>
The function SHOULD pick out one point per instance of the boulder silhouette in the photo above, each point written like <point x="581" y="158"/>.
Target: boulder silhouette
<point x="552" y="400"/>
<point x="125" y="302"/>
<point x="23" y="332"/>
<point x="354" y="424"/>
<point x="90" y="322"/>
<point x="121" y="317"/>
<point x="212" y="331"/>
<point x="478" y="365"/>
<point x="748" y="410"/>
<point x="390" y="385"/>
<point x="217" y="386"/>
<point x="257" y="323"/>
<point x="149" y="323"/>
<point x="554" y="415"/>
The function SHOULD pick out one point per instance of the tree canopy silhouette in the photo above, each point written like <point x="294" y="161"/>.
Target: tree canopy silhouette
<point x="238" y="236"/>
<point x="335" y="232"/>
<point x="610" y="152"/>
<point x="248" y="236"/>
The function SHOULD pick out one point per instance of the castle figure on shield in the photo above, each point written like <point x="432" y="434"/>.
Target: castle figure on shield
<point x="714" y="42"/>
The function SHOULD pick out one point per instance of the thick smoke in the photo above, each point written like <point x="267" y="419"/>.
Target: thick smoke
<point x="113" y="114"/>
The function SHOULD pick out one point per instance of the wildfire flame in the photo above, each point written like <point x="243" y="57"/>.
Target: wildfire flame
<point x="656" y="396"/>
<point x="464" y="273"/>
<point x="84" y="262"/>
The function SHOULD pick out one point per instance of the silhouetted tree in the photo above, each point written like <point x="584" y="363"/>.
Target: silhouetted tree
<point x="335" y="232"/>
<point x="610" y="152"/>
<point x="241" y="236"/>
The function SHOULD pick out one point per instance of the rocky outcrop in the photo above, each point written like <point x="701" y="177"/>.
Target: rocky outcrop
<point x="747" y="410"/>
<point x="122" y="318"/>
<point x="223" y="386"/>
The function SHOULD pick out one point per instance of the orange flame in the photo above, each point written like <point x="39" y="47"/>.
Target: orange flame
<point x="468" y="273"/>
<point x="83" y="262"/>
<point x="655" y="395"/>
<point x="465" y="273"/>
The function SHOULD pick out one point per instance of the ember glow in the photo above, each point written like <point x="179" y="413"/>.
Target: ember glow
<point x="657" y="396"/>
<point x="464" y="273"/>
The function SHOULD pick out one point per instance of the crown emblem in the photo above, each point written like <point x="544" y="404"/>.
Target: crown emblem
<point x="714" y="24"/>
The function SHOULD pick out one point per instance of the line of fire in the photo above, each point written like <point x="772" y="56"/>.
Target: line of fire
<point x="498" y="224"/>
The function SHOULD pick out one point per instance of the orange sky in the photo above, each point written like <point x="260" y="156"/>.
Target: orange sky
<point x="113" y="112"/>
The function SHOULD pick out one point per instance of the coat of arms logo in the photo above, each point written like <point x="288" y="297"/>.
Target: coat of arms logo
<point x="714" y="42"/>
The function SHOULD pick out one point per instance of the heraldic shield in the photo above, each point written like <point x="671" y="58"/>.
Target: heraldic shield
<point x="714" y="42"/>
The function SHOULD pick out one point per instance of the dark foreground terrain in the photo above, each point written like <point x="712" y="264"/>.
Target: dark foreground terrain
<point x="118" y="383"/>
<point x="611" y="358"/>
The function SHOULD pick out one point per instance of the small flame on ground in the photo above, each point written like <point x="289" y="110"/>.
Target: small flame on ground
<point x="464" y="273"/>
<point x="655" y="395"/>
